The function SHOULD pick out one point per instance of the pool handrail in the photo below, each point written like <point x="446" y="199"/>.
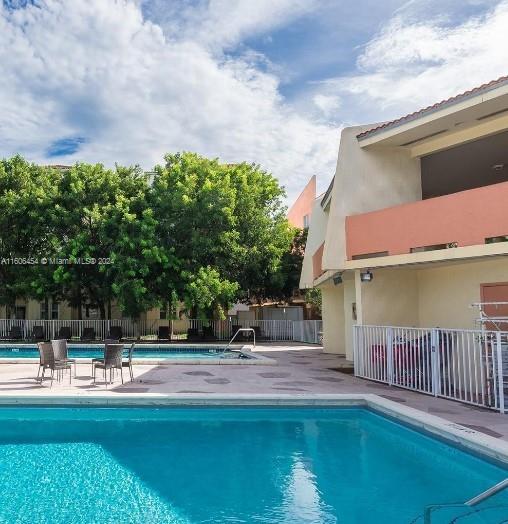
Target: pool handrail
<point x="481" y="497"/>
<point x="249" y="330"/>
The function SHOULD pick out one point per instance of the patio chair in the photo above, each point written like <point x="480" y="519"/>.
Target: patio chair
<point x="15" y="333"/>
<point x="64" y="333"/>
<point x="88" y="333"/>
<point x="127" y="361"/>
<point x="60" y="351"/>
<point x="234" y="329"/>
<point x="258" y="332"/>
<point x="115" y="333"/>
<point x="208" y="333"/>
<point x="38" y="333"/>
<point x="193" y="335"/>
<point x="112" y="360"/>
<point x="163" y="333"/>
<point x="47" y="361"/>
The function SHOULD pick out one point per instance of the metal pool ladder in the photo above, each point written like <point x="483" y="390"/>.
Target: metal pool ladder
<point x="484" y="495"/>
<point x="248" y="330"/>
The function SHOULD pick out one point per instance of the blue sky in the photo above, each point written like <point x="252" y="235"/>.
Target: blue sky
<point x="266" y="81"/>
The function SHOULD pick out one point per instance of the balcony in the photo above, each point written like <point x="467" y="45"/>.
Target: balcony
<point x="467" y="218"/>
<point x="317" y="261"/>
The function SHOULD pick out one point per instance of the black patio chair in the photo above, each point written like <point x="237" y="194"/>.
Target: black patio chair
<point x="163" y="333"/>
<point x="38" y="333"/>
<point x="112" y="360"/>
<point x="64" y="333"/>
<point x="15" y="333"/>
<point x="88" y="334"/>
<point x="115" y="333"/>
<point x="47" y="361"/>
<point x="193" y="335"/>
<point x="208" y="333"/>
<point x="258" y="332"/>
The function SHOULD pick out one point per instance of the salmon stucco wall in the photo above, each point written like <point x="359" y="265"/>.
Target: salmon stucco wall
<point x="303" y="205"/>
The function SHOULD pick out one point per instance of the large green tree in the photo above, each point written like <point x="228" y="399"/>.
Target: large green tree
<point x="107" y="233"/>
<point x="204" y="234"/>
<point x="286" y="280"/>
<point x="26" y="202"/>
<point x="225" y="223"/>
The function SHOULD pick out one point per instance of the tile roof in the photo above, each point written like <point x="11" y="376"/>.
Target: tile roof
<point x="439" y="105"/>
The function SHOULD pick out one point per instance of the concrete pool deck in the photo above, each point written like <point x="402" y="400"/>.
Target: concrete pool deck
<point x="301" y="370"/>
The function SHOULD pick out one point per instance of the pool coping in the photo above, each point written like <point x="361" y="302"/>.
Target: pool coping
<point x="451" y="432"/>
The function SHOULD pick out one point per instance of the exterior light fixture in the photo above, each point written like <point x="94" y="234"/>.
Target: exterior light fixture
<point x="337" y="279"/>
<point x="366" y="276"/>
<point x="498" y="167"/>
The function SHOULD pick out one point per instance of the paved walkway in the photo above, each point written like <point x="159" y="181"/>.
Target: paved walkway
<point x="301" y="369"/>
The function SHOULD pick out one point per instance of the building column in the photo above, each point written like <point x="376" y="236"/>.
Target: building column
<point x="333" y="318"/>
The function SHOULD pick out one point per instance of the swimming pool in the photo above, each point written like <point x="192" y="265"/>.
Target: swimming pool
<point x="245" y="464"/>
<point x="158" y="351"/>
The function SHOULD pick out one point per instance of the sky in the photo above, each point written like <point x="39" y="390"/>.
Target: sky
<point x="265" y="81"/>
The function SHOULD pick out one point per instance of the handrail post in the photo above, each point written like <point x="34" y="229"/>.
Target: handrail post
<point x="355" y="350"/>
<point x="389" y="355"/>
<point x="500" y="378"/>
<point x="434" y="361"/>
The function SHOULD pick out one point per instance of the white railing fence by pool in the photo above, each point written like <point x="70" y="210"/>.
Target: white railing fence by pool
<point x="466" y="365"/>
<point x="274" y="330"/>
<point x="266" y="330"/>
<point x="307" y="331"/>
<point x="50" y="329"/>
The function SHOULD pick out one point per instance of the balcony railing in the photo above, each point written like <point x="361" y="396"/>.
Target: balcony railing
<point x="461" y="219"/>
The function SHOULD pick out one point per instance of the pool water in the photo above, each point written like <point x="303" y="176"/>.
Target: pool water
<point x="159" y="351"/>
<point x="222" y="465"/>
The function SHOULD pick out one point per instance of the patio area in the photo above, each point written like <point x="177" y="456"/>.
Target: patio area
<point x="301" y="370"/>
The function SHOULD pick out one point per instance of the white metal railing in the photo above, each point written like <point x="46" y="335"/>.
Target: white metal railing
<point x="266" y="330"/>
<point x="307" y="331"/>
<point x="466" y="365"/>
<point x="51" y="329"/>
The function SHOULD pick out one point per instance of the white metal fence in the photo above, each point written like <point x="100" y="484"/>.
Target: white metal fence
<point x="273" y="330"/>
<point x="466" y="365"/>
<point x="309" y="331"/>
<point x="51" y="329"/>
<point x="269" y="330"/>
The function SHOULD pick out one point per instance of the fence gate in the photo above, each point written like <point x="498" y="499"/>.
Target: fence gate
<point x="465" y="365"/>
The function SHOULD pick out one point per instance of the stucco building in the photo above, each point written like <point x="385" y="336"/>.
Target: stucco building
<point x="414" y="227"/>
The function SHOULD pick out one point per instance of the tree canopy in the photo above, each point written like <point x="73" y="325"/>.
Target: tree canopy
<point x="196" y="232"/>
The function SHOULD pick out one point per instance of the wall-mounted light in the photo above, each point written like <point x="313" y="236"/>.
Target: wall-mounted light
<point x="337" y="279"/>
<point x="366" y="276"/>
<point x="498" y="167"/>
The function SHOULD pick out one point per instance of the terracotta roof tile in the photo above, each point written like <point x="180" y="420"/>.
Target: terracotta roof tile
<point x="449" y="101"/>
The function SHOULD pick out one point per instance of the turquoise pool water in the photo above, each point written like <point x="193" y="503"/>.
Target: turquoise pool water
<point x="142" y="351"/>
<point x="226" y="465"/>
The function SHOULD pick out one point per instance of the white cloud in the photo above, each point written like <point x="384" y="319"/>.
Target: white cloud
<point x="413" y="63"/>
<point x="328" y="104"/>
<point x="222" y="24"/>
<point x="98" y="69"/>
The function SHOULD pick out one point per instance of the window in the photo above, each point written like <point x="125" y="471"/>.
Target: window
<point x="44" y="310"/>
<point x="306" y="221"/>
<point x="54" y="310"/>
<point x="163" y="312"/>
<point x="20" y="312"/>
